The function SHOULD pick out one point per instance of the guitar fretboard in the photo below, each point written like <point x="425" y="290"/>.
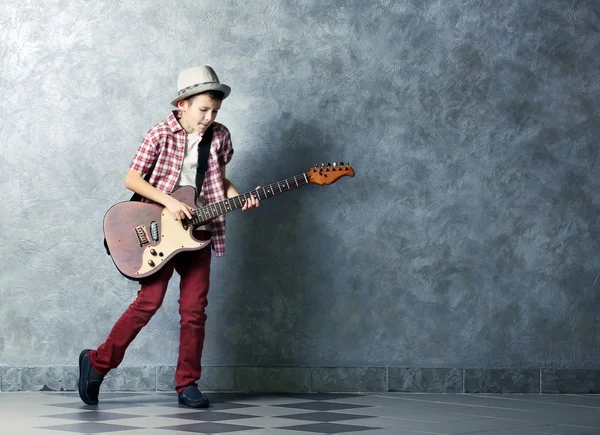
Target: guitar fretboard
<point x="211" y="211"/>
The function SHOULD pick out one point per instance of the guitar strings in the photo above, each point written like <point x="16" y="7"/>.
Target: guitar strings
<point x="211" y="211"/>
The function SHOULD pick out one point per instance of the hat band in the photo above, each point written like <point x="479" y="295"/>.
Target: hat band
<point x="184" y="90"/>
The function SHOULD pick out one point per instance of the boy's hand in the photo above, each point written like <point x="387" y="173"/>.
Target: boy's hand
<point x="178" y="209"/>
<point x="252" y="202"/>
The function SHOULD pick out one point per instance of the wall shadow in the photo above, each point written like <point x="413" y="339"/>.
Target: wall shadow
<point x="279" y="293"/>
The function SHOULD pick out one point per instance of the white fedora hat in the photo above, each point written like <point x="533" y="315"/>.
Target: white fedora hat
<point x="198" y="79"/>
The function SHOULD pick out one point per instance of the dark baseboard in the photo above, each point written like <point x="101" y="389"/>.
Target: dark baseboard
<point x="319" y="380"/>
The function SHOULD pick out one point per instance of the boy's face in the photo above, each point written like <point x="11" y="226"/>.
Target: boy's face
<point x="198" y="113"/>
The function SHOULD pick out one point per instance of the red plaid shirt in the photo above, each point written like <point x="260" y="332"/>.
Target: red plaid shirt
<point x="163" y="148"/>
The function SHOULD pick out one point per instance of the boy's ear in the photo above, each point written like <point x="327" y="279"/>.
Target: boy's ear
<point x="183" y="105"/>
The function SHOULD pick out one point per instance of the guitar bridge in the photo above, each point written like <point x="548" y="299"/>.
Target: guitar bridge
<point x="142" y="235"/>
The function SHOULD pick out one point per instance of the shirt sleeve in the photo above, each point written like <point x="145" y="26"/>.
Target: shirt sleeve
<point x="147" y="153"/>
<point x="225" y="152"/>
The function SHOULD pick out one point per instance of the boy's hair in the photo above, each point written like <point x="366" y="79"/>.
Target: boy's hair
<point x="217" y="95"/>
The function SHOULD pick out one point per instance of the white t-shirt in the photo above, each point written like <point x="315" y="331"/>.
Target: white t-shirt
<point x="187" y="175"/>
<point x="189" y="166"/>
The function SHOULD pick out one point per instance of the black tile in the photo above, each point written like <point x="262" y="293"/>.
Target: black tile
<point x="320" y="396"/>
<point x="322" y="406"/>
<point x="137" y="399"/>
<point x="213" y="405"/>
<point x="232" y="397"/>
<point x="230" y="405"/>
<point x="324" y="416"/>
<point x="208" y="416"/>
<point x="102" y="395"/>
<point x="328" y="428"/>
<point x="147" y="400"/>
<point x="89" y="428"/>
<point x="110" y="404"/>
<point x="91" y="416"/>
<point x="209" y="428"/>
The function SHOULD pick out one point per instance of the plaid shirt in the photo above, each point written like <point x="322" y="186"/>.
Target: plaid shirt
<point x="163" y="148"/>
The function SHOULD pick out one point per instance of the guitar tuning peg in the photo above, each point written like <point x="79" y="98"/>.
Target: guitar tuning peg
<point x="334" y="164"/>
<point x="322" y="165"/>
<point x="341" y="163"/>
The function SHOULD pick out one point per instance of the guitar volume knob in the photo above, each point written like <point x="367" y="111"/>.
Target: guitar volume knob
<point x="151" y="263"/>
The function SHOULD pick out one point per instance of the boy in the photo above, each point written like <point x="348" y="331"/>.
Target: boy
<point x="169" y="155"/>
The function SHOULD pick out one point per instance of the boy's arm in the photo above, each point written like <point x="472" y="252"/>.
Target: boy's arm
<point x="135" y="182"/>
<point x="231" y="191"/>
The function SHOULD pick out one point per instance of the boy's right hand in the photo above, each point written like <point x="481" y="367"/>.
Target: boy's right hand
<point x="178" y="209"/>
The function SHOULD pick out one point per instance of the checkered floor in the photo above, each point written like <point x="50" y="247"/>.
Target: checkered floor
<point x="301" y="414"/>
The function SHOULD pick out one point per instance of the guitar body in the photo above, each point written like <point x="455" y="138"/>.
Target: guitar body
<point x="142" y="237"/>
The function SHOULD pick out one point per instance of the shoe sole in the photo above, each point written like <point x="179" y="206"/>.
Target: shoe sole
<point x="82" y="379"/>
<point x="194" y="405"/>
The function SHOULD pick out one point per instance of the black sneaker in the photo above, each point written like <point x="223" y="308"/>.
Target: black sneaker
<point x="89" y="380"/>
<point x="193" y="398"/>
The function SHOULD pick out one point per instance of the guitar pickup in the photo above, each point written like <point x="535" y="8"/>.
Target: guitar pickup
<point x="154" y="230"/>
<point x="142" y="235"/>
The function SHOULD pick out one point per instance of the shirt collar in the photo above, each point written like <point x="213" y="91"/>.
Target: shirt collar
<point x="173" y="123"/>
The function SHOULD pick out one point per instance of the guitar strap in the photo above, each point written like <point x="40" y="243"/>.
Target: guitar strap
<point x="203" y="153"/>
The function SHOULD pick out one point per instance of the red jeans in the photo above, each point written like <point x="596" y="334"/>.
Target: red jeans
<point x="194" y="269"/>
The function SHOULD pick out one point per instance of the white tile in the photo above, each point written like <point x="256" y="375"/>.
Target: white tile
<point x="267" y="422"/>
<point x="268" y="400"/>
<point x="266" y="411"/>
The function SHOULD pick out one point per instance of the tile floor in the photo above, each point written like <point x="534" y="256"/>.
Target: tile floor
<point x="301" y="414"/>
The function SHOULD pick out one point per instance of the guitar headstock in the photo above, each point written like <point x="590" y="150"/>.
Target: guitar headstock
<point x="329" y="174"/>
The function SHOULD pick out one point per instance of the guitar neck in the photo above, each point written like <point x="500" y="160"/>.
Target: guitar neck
<point x="211" y="211"/>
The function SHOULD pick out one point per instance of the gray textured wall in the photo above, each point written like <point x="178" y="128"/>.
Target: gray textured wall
<point x="469" y="236"/>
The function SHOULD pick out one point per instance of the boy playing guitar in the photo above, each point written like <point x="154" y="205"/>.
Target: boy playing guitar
<point x="170" y="156"/>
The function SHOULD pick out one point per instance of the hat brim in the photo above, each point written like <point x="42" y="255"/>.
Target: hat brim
<point x="203" y="88"/>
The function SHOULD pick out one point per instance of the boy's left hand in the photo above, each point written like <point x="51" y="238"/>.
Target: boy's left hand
<point x="252" y="202"/>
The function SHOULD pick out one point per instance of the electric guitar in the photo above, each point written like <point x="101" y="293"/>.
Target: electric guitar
<point x="142" y="237"/>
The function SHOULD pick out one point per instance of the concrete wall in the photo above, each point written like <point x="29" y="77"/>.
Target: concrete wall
<point x="466" y="242"/>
